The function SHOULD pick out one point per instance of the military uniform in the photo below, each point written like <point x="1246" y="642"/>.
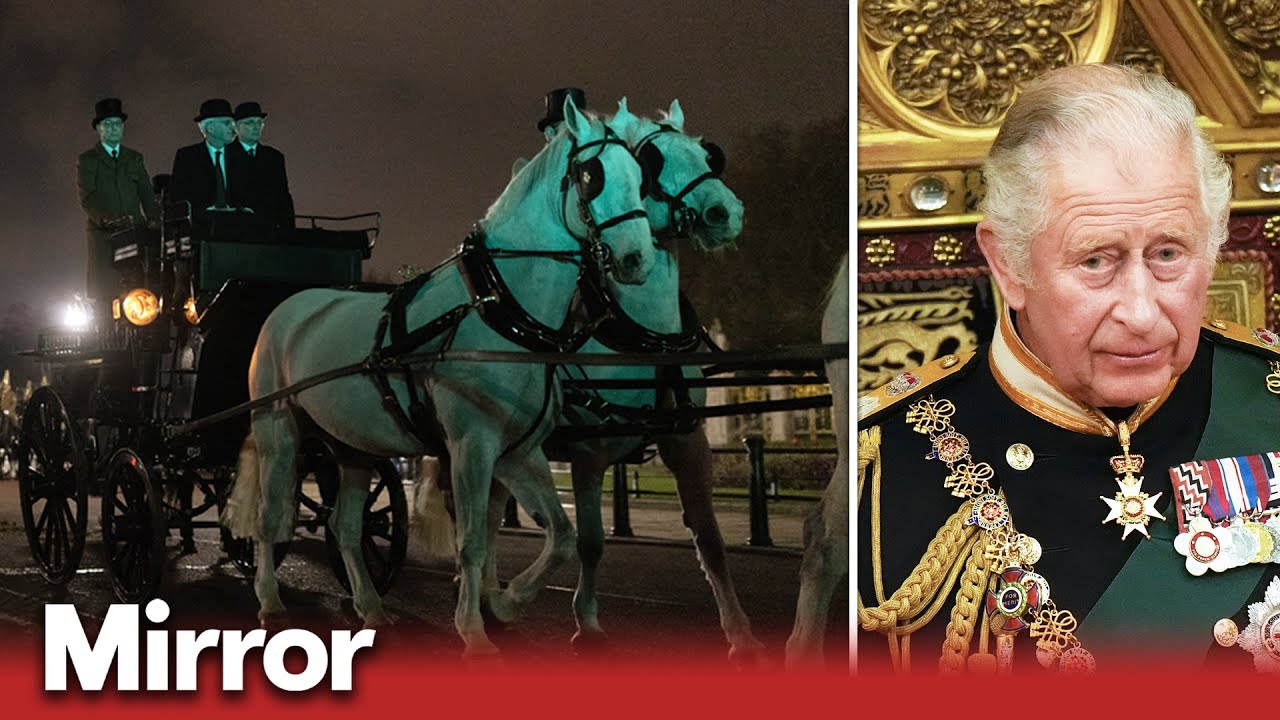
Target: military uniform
<point x="943" y="561"/>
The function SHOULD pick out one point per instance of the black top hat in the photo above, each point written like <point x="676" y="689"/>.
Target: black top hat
<point x="555" y="105"/>
<point x="248" y="110"/>
<point x="217" y="107"/>
<point x="108" y="107"/>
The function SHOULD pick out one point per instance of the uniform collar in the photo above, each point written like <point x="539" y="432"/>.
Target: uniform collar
<point x="1029" y="383"/>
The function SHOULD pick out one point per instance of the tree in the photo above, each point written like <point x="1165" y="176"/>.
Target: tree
<point x="771" y="290"/>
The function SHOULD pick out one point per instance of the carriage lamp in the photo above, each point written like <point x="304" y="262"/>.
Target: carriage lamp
<point x="76" y="315"/>
<point x="140" y="306"/>
<point x="189" y="311"/>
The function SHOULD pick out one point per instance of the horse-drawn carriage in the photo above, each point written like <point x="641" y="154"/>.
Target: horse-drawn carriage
<point x="577" y="253"/>
<point x="175" y="345"/>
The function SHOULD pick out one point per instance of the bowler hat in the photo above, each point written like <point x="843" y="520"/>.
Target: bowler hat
<point x="555" y="105"/>
<point x="217" y="107"/>
<point x="108" y="107"/>
<point x="248" y="110"/>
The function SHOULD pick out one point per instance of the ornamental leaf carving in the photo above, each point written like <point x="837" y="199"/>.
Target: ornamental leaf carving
<point x="964" y="61"/>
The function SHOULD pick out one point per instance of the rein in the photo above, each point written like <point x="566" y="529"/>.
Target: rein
<point x="489" y="295"/>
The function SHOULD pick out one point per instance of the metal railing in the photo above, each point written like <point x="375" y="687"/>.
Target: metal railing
<point x="760" y="490"/>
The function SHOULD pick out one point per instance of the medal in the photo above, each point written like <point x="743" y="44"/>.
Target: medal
<point x="1206" y="547"/>
<point x="1262" y="637"/>
<point x="1131" y="507"/>
<point x="1018" y="598"/>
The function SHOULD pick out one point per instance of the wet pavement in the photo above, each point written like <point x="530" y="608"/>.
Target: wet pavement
<point x="654" y="601"/>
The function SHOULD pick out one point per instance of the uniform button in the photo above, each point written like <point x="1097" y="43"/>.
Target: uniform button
<point x="1219" y="324"/>
<point x="950" y="361"/>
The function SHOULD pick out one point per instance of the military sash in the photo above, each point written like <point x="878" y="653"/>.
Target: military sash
<point x="1153" y="601"/>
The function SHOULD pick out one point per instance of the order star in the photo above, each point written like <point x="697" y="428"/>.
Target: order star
<point x="1131" y="507"/>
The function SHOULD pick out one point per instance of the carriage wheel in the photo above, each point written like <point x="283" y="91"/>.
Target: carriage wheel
<point x="386" y="524"/>
<point x="52" y="473"/>
<point x="133" y="528"/>
<point x="241" y="551"/>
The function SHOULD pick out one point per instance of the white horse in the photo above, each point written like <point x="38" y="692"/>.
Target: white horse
<point x="826" y="530"/>
<point x="577" y="201"/>
<point x="686" y="202"/>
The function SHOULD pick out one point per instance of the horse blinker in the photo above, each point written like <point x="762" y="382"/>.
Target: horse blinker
<point x="651" y="162"/>
<point x="589" y="178"/>
<point x="715" y="158"/>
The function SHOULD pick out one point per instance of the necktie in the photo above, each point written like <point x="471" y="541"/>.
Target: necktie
<point x="115" y="154"/>
<point x="253" y="151"/>
<point x="220" y="199"/>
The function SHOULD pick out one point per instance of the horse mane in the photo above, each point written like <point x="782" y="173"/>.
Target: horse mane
<point x="533" y="172"/>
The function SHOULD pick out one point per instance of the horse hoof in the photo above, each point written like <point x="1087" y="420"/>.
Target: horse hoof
<point x="482" y="657"/>
<point x="747" y="656"/>
<point x="273" y="621"/>
<point x="378" y="621"/>
<point x="590" y="644"/>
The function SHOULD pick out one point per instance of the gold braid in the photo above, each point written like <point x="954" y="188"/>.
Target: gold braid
<point x="955" y="649"/>
<point x="923" y="593"/>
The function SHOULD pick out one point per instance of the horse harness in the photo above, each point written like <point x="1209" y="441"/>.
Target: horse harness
<point x="496" y="304"/>
<point x="651" y="162"/>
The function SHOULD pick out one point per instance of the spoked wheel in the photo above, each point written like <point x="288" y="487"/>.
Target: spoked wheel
<point x="241" y="551"/>
<point x="133" y="527"/>
<point x="53" y="485"/>
<point x="386" y="523"/>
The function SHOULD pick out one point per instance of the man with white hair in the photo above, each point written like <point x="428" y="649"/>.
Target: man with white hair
<point x="201" y="171"/>
<point x="263" y="186"/>
<point x="1109" y="446"/>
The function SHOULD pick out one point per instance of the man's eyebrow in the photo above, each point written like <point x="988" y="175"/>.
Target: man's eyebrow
<point x="1181" y="234"/>
<point x="1088" y="242"/>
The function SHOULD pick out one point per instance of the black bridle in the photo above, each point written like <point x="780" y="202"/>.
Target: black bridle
<point x="682" y="217"/>
<point x="587" y="178"/>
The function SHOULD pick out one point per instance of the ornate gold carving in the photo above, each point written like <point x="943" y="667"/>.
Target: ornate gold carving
<point x="880" y="251"/>
<point x="1271" y="230"/>
<point x="963" y="63"/>
<point x="975" y="189"/>
<point x="1275" y="307"/>
<point x="947" y="249"/>
<point x="873" y="195"/>
<point x="900" y="331"/>
<point x="1251" y="29"/>
<point x="868" y="120"/>
<point x="1134" y="46"/>
<point x="1237" y="292"/>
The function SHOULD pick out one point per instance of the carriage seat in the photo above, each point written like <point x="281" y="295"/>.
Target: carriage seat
<point x="314" y="256"/>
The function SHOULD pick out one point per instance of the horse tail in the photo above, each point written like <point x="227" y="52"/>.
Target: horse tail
<point x="241" y="513"/>
<point x="431" y="520"/>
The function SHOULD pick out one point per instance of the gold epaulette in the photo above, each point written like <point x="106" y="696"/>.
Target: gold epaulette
<point x="1261" y="340"/>
<point x="876" y="403"/>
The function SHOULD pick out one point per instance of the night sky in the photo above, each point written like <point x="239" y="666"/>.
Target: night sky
<point x="416" y="109"/>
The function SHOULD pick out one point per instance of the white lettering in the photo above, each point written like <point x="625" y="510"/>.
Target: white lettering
<point x="344" y="649"/>
<point x="117" y="640"/>
<point x="311" y="675"/>
<point x="157" y="647"/>
<point x="233" y="649"/>
<point x="188" y="654"/>
<point x="118" y="643"/>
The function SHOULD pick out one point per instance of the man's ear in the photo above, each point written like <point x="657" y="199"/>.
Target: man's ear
<point x="1014" y="292"/>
